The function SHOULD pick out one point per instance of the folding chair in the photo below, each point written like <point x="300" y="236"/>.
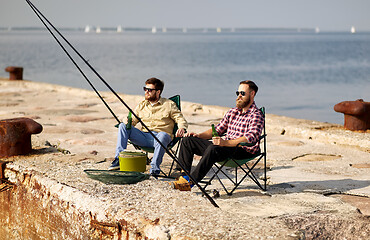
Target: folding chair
<point x="242" y="164"/>
<point x="172" y="145"/>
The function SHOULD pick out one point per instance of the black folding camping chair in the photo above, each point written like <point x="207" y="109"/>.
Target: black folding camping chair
<point x="247" y="166"/>
<point x="172" y="146"/>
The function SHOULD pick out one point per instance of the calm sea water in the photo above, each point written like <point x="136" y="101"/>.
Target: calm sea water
<point x="301" y="75"/>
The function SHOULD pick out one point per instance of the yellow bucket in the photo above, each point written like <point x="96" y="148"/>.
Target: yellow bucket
<point x="132" y="161"/>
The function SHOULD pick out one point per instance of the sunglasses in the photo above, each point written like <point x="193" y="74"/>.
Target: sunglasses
<point x="149" y="89"/>
<point x="241" y="92"/>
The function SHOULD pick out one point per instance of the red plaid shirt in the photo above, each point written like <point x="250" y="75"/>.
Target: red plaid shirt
<point x="237" y="124"/>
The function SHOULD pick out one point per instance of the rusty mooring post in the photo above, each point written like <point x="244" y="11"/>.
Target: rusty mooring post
<point x="15" y="136"/>
<point x="356" y="114"/>
<point x="15" y="73"/>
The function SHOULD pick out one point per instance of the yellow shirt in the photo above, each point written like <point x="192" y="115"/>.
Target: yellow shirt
<point x="160" y="117"/>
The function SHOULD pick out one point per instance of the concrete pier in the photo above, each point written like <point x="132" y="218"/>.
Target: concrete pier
<point x="318" y="183"/>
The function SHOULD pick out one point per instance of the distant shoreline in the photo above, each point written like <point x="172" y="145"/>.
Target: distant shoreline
<point x="164" y="30"/>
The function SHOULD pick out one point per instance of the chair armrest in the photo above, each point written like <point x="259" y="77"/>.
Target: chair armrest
<point x="246" y="144"/>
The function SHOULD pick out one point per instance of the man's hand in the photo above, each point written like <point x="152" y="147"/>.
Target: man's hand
<point x="219" y="141"/>
<point x="204" y="135"/>
<point x="228" y="143"/>
<point x="180" y="132"/>
<point x="191" y="134"/>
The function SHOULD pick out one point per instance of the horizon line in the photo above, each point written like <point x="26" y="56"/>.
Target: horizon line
<point x="176" y="29"/>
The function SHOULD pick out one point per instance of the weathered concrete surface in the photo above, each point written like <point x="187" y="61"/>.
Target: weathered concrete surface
<point x="29" y="210"/>
<point x="308" y="162"/>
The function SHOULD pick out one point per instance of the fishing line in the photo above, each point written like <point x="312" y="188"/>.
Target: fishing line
<point x="37" y="12"/>
<point x="42" y="18"/>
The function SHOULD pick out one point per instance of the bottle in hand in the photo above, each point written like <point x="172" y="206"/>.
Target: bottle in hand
<point x="214" y="132"/>
<point x="129" y="121"/>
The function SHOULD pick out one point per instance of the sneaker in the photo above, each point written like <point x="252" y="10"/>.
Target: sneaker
<point x="182" y="184"/>
<point x="155" y="174"/>
<point x="114" y="165"/>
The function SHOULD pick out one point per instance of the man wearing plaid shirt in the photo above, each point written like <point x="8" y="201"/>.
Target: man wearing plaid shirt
<point x="244" y="123"/>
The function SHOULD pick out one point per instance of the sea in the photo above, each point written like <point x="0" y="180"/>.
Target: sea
<point x="299" y="74"/>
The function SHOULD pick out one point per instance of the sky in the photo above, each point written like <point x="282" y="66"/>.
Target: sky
<point x="328" y="15"/>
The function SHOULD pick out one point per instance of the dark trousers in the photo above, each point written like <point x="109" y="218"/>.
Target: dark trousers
<point x="210" y="154"/>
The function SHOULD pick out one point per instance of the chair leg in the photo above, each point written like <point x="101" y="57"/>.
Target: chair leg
<point x="174" y="153"/>
<point x="222" y="184"/>
<point x="236" y="174"/>
<point x="265" y="170"/>
<point x="165" y="175"/>
<point x="220" y="170"/>
<point x="215" y="174"/>
<point x="251" y="175"/>
<point x="173" y="162"/>
<point x="236" y="182"/>
<point x="148" y="160"/>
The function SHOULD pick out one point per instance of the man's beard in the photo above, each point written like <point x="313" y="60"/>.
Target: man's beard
<point x="242" y="104"/>
<point x="151" y="98"/>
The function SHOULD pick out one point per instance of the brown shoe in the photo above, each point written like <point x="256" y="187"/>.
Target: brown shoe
<point x="182" y="184"/>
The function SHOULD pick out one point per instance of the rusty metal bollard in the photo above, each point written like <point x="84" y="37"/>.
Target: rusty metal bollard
<point x="15" y="136"/>
<point x="15" y="73"/>
<point x="356" y="114"/>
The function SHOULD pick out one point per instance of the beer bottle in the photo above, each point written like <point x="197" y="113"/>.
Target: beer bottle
<point x="129" y="121"/>
<point x="214" y="132"/>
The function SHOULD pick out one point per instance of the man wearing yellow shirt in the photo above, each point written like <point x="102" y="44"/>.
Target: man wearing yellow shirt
<point x="159" y="115"/>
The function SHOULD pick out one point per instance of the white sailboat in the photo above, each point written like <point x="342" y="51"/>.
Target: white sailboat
<point x="184" y="30"/>
<point x="87" y="29"/>
<point x="218" y="30"/>
<point x="317" y="30"/>
<point x="154" y="29"/>
<point x="353" y="30"/>
<point x="119" y="28"/>
<point x="98" y="30"/>
<point x="164" y="29"/>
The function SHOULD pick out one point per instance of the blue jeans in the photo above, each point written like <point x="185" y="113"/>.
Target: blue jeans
<point x="143" y="139"/>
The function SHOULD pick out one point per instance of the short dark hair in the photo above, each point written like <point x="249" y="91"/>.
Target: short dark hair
<point x="251" y="85"/>
<point x="158" y="84"/>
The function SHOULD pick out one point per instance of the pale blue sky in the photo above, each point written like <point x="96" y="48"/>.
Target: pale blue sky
<point x="331" y="15"/>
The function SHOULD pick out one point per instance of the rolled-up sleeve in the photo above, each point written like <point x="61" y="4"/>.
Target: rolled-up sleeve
<point x="222" y="126"/>
<point x="178" y="117"/>
<point x="255" y="127"/>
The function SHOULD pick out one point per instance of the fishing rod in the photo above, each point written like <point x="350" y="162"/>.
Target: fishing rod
<point x="42" y="18"/>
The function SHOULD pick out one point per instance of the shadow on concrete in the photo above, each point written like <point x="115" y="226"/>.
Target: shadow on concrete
<point x="42" y="151"/>
<point x="339" y="185"/>
<point x="248" y="188"/>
